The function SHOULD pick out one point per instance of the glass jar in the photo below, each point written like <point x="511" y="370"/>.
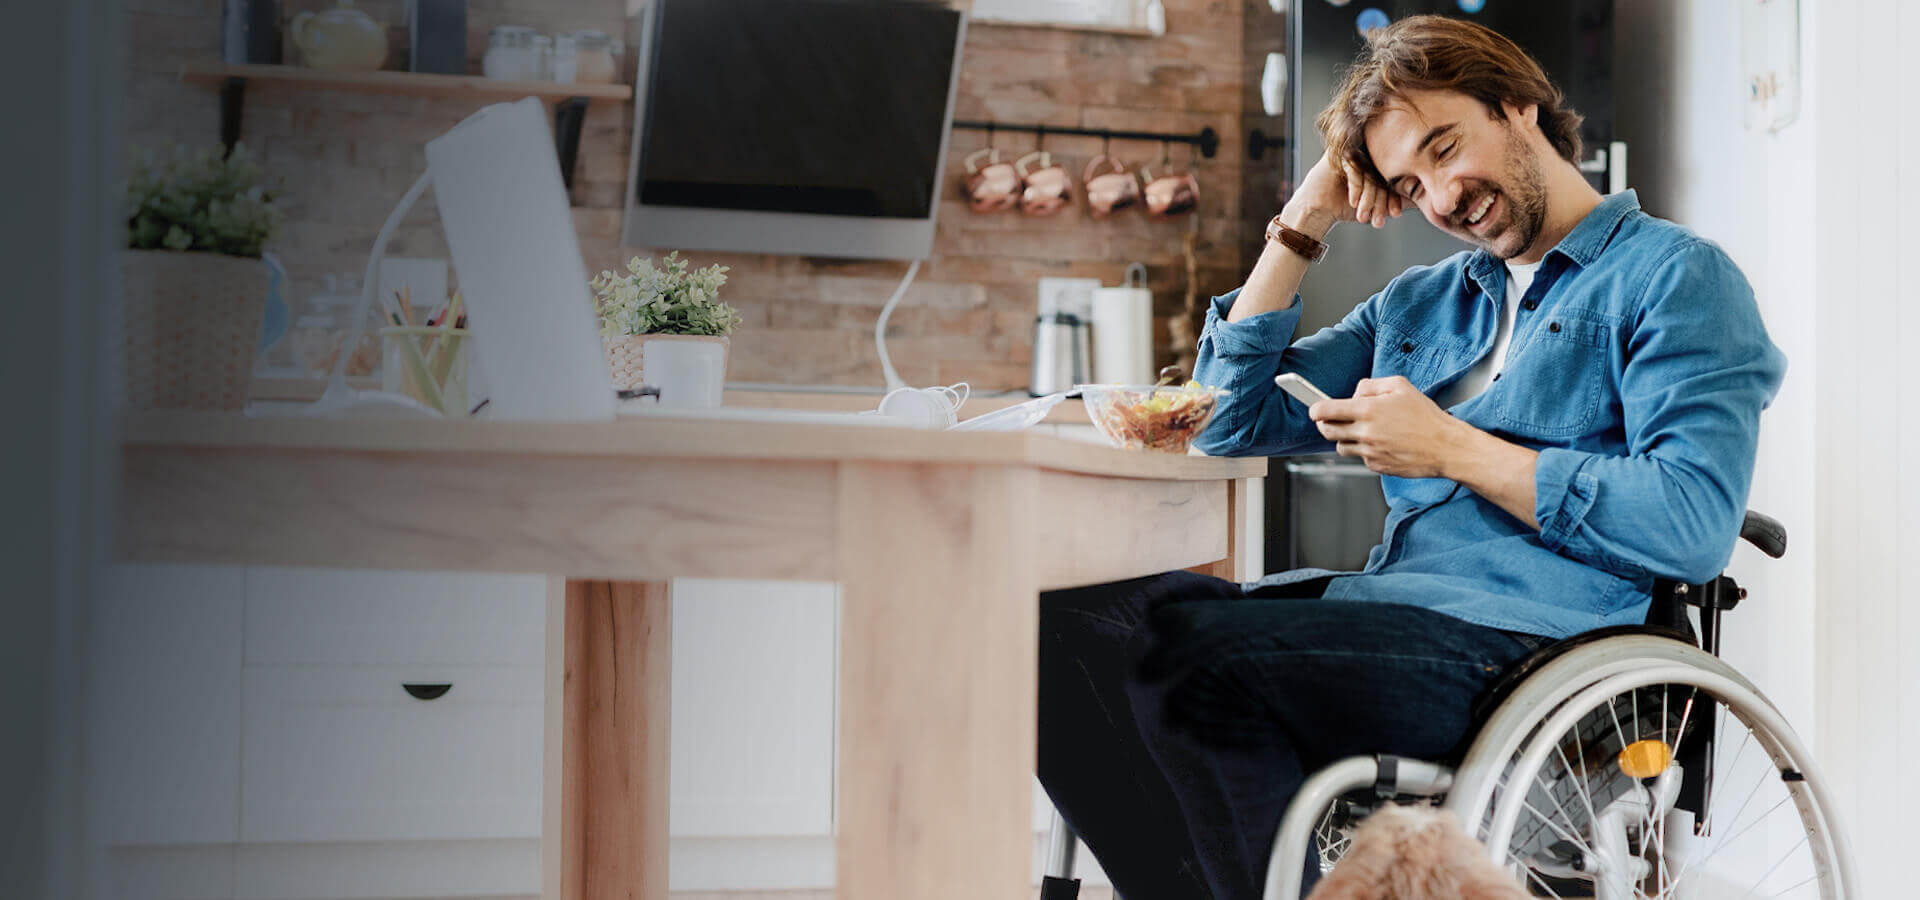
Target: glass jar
<point x="320" y="334"/>
<point x="565" y="58"/>
<point x="510" y="54"/>
<point x="593" y="57"/>
<point x="541" y="66"/>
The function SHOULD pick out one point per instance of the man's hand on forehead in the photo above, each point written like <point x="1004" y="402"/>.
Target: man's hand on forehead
<point x="1371" y="200"/>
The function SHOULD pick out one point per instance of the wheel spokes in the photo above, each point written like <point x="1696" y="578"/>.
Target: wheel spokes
<point x="1551" y="823"/>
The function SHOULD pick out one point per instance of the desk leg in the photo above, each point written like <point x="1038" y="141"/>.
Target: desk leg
<point x="609" y="696"/>
<point x="1246" y="533"/>
<point x="937" y="680"/>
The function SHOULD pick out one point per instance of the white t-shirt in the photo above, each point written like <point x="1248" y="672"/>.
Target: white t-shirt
<point x="1470" y="385"/>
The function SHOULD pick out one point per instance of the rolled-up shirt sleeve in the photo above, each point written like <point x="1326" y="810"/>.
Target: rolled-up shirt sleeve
<point x="1698" y="371"/>
<point x="1257" y="418"/>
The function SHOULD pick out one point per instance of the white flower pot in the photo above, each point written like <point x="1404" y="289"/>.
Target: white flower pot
<point x="689" y="370"/>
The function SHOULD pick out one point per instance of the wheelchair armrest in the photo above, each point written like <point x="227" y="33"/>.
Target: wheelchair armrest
<point x="1766" y="533"/>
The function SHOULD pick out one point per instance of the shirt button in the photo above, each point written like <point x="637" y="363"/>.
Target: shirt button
<point x="1530" y="304"/>
<point x="1406" y="346"/>
<point x="1553" y="327"/>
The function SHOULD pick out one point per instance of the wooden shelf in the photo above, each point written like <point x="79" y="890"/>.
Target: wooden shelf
<point x="571" y="100"/>
<point x="1122" y="30"/>
<point x="420" y="84"/>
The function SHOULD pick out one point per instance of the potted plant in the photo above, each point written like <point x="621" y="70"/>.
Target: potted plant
<point x="195" y="285"/>
<point x="665" y="326"/>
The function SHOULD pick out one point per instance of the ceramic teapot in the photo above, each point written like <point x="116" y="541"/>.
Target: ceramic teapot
<point x="342" y="39"/>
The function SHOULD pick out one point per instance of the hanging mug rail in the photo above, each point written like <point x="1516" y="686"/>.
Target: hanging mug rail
<point x="1207" y="141"/>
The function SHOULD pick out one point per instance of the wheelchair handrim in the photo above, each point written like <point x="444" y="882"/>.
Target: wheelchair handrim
<point x="1519" y="717"/>
<point x="1832" y="867"/>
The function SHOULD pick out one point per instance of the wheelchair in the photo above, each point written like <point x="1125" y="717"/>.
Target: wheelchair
<point x="1623" y="763"/>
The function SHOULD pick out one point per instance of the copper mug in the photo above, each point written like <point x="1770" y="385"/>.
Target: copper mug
<point x="1110" y="187"/>
<point x="1049" y="188"/>
<point x="1170" y="194"/>
<point x="994" y="186"/>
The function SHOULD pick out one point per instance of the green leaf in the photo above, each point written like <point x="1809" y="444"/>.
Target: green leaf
<point x="196" y="200"/>
<point x="670" y="298"/>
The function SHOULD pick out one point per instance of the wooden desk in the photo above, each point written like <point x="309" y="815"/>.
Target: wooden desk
<point x="939" y="542"/>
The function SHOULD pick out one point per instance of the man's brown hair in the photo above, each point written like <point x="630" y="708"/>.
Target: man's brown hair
<point x="1437" y="53"/>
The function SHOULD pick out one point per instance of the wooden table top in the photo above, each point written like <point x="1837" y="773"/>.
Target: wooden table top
<point x="660" y="436"/>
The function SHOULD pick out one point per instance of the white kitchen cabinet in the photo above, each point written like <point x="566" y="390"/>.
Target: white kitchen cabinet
<point x="346" y="754"/>
<point x="250" y="735"/>
<point x="340" y="617"/>
<point x="753" y="708"/>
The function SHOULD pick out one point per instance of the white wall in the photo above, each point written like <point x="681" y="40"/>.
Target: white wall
<point x="1692" y="160"/>
<point x="1866" y="189"/>
<point x="1817" y="216"/>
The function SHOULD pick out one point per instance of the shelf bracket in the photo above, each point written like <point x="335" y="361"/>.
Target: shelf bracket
<point x="568" y="115"/>
<point x="233" y="97"/>
<point x="1258" y="143"/>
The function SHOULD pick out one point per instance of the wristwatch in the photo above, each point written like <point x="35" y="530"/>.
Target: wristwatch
<point x="1296" y="240"/>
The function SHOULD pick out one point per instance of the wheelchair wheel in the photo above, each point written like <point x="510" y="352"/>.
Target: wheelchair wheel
<point x="1334" y="834"/>
<point x="1642" y="767"/>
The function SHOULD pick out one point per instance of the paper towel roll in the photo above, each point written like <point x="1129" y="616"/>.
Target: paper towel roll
<point x="1123" y="335"/>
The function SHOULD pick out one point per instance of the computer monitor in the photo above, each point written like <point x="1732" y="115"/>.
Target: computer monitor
<point x="800" y="127"/>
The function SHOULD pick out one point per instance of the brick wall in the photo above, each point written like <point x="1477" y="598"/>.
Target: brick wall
<point x="1264" y="186"/>
<point x="343" y="159"/>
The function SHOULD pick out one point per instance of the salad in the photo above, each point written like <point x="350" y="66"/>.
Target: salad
<point x="1153" y="418"/>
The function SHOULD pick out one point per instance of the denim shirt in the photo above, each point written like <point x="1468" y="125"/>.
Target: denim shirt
<point x="1638" y="367"/>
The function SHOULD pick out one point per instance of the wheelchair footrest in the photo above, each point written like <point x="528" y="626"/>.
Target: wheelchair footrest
<point x="1052" y="888"/>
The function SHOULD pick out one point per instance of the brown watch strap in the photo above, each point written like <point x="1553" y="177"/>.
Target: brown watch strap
<point x="1296" y="240"/>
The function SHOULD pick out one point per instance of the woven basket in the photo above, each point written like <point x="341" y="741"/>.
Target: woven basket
<point x="192" y="321"/>
<point x="625" y="359"/>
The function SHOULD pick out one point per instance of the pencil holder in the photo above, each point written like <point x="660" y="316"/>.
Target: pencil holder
<point x="428" y="364"/>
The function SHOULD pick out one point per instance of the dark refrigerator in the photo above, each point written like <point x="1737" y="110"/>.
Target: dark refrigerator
<point x="1327" y="511"/>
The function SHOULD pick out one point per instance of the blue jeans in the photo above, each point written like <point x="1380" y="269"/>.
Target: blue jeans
<point x="1179" y="715"/>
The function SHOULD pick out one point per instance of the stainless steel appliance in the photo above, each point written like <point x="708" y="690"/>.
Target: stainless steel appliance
<point x="1062" y="354"/>
<point x="1334" y="513"/>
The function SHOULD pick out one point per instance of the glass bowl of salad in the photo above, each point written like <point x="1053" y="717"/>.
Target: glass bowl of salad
<point x="1147" y="417"/>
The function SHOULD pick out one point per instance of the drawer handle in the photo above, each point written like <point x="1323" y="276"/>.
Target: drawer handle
<point x="427" y="691"/>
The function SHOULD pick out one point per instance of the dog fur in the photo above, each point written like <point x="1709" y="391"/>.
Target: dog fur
<point x="1415" y="853"/>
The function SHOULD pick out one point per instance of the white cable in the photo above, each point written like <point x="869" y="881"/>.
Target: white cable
<point x="338" y="395"/>
<point x="894" y="381"/>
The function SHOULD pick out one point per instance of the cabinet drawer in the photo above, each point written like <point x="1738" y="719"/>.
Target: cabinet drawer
<point x="346" y="754"/>
<point x="330" y="617"/>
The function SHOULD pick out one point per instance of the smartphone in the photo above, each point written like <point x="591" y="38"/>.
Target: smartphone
<point x="1300" y="389"/>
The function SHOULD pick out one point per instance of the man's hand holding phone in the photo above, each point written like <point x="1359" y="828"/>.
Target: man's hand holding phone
<point x="1388" y="423"/>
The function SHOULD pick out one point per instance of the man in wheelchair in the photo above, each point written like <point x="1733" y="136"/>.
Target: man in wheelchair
<point x="1563" y="414"/>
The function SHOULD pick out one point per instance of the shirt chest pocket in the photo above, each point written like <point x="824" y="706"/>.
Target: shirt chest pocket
<point x="1401" y="351"/>
<point x="1554" y="386"/>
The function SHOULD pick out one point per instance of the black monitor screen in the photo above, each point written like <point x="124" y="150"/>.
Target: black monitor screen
<point x="833" y="107"/>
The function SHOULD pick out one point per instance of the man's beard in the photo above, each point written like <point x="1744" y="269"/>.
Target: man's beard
<point x="1525" y="194"/>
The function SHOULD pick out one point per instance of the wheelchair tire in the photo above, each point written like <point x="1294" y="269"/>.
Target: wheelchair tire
<point x="1569" y="715"/>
